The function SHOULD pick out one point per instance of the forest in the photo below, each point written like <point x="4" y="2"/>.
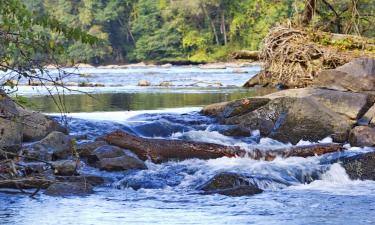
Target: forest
<point x="194" y="30"/>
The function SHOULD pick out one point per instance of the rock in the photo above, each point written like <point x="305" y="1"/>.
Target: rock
<point x="65" y="167"/>
<point x="362" y="136"/>
<point x="37" y="125"/>
<point x="246" y="54"/>
<point x="236" y="131"/>
<point x="211" y="66"/>
<point x="113" y="158"/>
<point x="144" y="83"/>
<point x="360" y="166"/>
<point x="11" y="126"/>
<point x="87" y="84"/>
<point x="230" y="184"/>
<point x="86" y="149"/>
<point x="168" y="65"/>
<point x="368" y="118"/>
<point x="60" y="145"/>
<point x="87" y="75"/>
<point x="84" y="65"/>
<point x="108" y="151"/>
<point x="121" y="163"/>
<point x="237" y="70"/>
<point x="291" y="115"/>
<point x="165" y="84"/>
<point x="357" y="75"/>
<point x="69" y="188"/>
<point x="91" y="179"/>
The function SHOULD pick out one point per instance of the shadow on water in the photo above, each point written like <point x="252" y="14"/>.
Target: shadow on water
<point x="141" y="101"/>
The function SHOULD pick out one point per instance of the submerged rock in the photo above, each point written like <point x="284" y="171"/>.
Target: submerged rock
<point x="357" y="75"/>
<point x="362" y="136"/>
<point x="360" y="166"/>
<point x="69" y="188"/>
<point x="230" y="184"/>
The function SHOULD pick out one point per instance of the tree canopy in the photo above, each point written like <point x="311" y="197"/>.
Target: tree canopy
<point x="195" y="30"/>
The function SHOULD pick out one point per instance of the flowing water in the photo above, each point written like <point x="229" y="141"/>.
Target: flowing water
<point x="297" y="190"/>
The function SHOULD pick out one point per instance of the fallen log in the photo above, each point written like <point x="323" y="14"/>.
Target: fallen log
<point x="161" y="150"/>
<point x="26" y="183"/>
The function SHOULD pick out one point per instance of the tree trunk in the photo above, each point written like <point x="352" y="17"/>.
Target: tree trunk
<point x="211" y="23"/>
<point x="309" y="11"/>
<point x="161" y="150"/>
<point x="223" y="28"/>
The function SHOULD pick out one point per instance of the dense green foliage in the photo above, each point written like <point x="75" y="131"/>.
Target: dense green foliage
<point x="196" y="30"/>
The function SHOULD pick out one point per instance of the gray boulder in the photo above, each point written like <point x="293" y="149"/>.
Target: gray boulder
<point x="37" y="125"/>
<point x="362" y="136"/>
<point x="230" y="184"/>
<point x="357" y="75"/>
<point x="291" y="115"/>
<point x="360" y="166"/>
<point x="11" y="125"/>
<point x="65" y="167"/>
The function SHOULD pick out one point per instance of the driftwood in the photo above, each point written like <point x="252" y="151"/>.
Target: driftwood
<point x="161" y="150"/>
<point x="246" y="54"/>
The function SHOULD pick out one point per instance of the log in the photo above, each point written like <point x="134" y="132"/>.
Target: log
<point x="246" y="54"/>
<point x="26" y="183"/>
<point x="161" y="150"/>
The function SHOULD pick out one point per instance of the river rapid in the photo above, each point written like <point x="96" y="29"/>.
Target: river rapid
<point x="297" y="190"/>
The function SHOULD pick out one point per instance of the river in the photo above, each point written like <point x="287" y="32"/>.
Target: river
<point x="297" y="190"/>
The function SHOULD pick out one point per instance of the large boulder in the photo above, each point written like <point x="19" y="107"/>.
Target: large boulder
<point x="37" y="125"/>
<point x="295" y="114"/>
<point x="230" y="184"/>
<point x="360" y="166"/>
<point x="55" y="146"/>
<point x="357" y="75"/>
<point x="362" y="136"/>
<point x="11" y="124"/>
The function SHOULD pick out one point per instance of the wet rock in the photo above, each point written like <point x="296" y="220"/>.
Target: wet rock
<point x="230" y="184"/>
<point x="362" y="136"/>
<point x="86" y="75"/>
<point x="91" y="179"/>
<point x="168" y="65"/>
<point x="86" y="149"/>
<point x="236" y="131"/>
<point x="291" y="115"/>
<point x="237" y="70"/>
<point x="357" y="75"/>
<point x="65" y="167"/>
<point x="121" y="163"/>
<point x="69" y="189"/>
<point x="144" y="83"/>
<point x="360" y="166"/>
<point x="37" y="125"/>
<point x="60" y="144"/>
<point x="112" y="158"/>
<point x="108" y="151"/>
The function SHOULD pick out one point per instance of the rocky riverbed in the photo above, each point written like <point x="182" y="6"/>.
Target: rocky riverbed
<point x="283" y="146"/>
